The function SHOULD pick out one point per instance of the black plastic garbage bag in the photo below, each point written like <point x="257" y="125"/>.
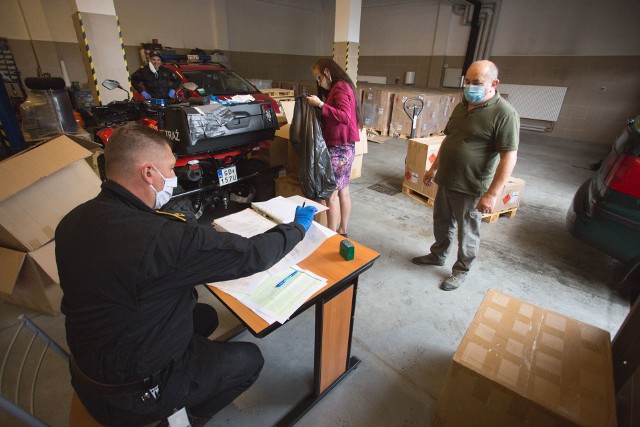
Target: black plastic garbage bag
<point x="316" y="174"/>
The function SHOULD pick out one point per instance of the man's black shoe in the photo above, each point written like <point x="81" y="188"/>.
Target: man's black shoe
<point x="429" y="259"/>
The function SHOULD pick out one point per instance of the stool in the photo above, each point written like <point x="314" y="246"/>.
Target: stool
<point x="79" y="416"/>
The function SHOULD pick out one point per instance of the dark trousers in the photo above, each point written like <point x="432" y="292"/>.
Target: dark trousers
<point x="208" y="377"/>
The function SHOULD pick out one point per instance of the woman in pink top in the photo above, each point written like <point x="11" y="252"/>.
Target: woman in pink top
<point x="340" y="128"/>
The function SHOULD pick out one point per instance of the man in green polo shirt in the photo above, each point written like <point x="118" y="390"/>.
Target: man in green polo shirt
<point x="475" y="160"/>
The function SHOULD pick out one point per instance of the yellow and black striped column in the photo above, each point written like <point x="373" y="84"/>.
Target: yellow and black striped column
<point x="346" y="55"/>
<point x="88" y="62"/>
<point x="103" y="53"/>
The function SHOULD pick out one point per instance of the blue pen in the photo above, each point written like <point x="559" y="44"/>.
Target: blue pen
<point x="286" y="279"/>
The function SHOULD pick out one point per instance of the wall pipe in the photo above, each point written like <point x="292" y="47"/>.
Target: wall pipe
<point x="473" y="35"/>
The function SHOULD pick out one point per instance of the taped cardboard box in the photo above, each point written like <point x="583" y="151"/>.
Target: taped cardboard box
<point x="401" y="123"/>
<point x="523" y="365"/>
<point x="511" y="195"/>
<point x="421" y="153"/>
<point x="377" y="104"/>
<point x="39" y="187"/>
<point x="31" y="279"/>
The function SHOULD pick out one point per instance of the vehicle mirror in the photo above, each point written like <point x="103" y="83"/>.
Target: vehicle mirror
<point x="190" y="86"/>
<point x="111" y="84"/>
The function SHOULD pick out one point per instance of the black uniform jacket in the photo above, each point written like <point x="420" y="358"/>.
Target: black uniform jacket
<point x="128" y="277"/>
<point x="157" y="86"/>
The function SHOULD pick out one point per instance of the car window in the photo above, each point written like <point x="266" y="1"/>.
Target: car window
<point x="220" y="82"/>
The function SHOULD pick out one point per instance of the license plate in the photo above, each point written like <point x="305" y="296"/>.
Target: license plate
<point x="227" y="175"/>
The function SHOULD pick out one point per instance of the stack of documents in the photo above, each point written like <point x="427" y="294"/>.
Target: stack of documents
<point x="260" y="292"/>
<point x="275" y="298"/>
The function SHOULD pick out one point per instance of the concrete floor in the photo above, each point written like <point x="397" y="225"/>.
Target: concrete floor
<point x="406" y="329"/>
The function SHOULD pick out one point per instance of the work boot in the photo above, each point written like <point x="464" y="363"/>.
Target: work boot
<point x="429" y="259"/>
<point x="453" y="281"/>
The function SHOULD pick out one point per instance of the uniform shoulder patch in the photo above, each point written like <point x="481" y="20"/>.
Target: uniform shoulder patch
<point x="172" y="215"/>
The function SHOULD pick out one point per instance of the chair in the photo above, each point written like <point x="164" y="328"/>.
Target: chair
<point x="30" y="361"/>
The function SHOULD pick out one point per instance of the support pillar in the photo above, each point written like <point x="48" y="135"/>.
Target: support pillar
<point x="346" y="44"/>
<point x="98" y="31"/>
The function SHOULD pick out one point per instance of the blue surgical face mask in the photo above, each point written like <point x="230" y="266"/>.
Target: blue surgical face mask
<point x="474" y="94"/>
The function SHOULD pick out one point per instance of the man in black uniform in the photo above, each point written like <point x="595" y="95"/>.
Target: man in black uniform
<point x="128" y="272"/>
<point x="154" y="80"/>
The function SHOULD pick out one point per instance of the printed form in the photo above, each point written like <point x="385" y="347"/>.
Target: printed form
<point x="260" y="292"/>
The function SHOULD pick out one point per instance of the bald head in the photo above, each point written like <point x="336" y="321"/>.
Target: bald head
<point x="484" y="68"/>
<point x="130" y="146"/>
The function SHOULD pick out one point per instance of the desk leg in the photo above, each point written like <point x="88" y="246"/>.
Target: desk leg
<point x="334" y="326"/>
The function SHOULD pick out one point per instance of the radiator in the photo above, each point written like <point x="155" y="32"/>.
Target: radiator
<point x="535" y="102"/>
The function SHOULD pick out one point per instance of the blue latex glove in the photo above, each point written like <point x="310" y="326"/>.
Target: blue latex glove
<point x="145" y="94"/>
<point x="304" y="216"/>
<point x="172" y="92"/>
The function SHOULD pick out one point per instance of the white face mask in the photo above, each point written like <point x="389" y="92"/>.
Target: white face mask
<point x="153" y="69"/>
<point x="163" y="196"/>
<point x="326" y="82"/>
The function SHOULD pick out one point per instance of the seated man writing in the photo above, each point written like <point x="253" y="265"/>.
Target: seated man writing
<point x="154" y="80"/>
<point x="128" y="271"/>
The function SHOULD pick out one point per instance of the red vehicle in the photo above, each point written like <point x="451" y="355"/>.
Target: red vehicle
<point x="216" y="139"/>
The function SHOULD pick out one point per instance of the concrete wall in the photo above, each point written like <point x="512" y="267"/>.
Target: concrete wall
<point x="582" y="44"/>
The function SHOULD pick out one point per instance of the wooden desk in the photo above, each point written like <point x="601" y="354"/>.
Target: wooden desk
<point x="335" y="307"/>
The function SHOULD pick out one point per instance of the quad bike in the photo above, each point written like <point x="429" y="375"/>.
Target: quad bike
<point x="217" y="147"/>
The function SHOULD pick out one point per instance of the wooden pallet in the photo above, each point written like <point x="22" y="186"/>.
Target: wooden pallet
<point x="376" y="135"/>
<point x="273" y="92"/>
<point x="405" y="136"/>
<point x="425" y="200"/>
<point x="493" y="217"/>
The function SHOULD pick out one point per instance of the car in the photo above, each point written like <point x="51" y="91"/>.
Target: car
<point x="605" y="211"/>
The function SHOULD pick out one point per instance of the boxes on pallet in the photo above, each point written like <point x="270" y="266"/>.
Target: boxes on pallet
<point x="510" y="196"/>
<point x="377" y="104"/>
<point x="421" y="153"/>
<point x="401" y="123"/>
<point x="40" y="186"/>
<point x="437" y="109"/>
<point x="520" y="364"/>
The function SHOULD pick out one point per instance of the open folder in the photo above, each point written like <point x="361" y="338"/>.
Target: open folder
<point x="260" y="292"/>
<point x="264" y="215"/>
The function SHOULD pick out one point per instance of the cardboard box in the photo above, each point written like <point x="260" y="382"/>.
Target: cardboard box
<point x="40" y="186"/>
<point x="377" y="104"/>
<point x="356" y="166"/>
<point x="278" y="152"/>
<point x="511" y="195"/>
<point x="401" y="123"/>
<point x="31" y="279"/>
<point x="362" y="145"/>
<point x="421" y="153"/>
<point x="523" y="365"/>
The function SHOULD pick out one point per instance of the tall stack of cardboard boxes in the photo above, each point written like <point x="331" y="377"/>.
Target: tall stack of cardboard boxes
<point x="40" y="186"/>
<point x="377" y="103"/>
<point x="434" y="115"/>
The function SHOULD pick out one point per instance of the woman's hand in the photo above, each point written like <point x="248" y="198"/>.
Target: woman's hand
<point x="314" y="101"/>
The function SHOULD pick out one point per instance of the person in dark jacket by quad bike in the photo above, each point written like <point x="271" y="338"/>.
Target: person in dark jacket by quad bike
<point x="154" y="80"/>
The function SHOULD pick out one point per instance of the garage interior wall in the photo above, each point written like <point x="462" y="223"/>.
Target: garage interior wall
<point x="588" y="46"/>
